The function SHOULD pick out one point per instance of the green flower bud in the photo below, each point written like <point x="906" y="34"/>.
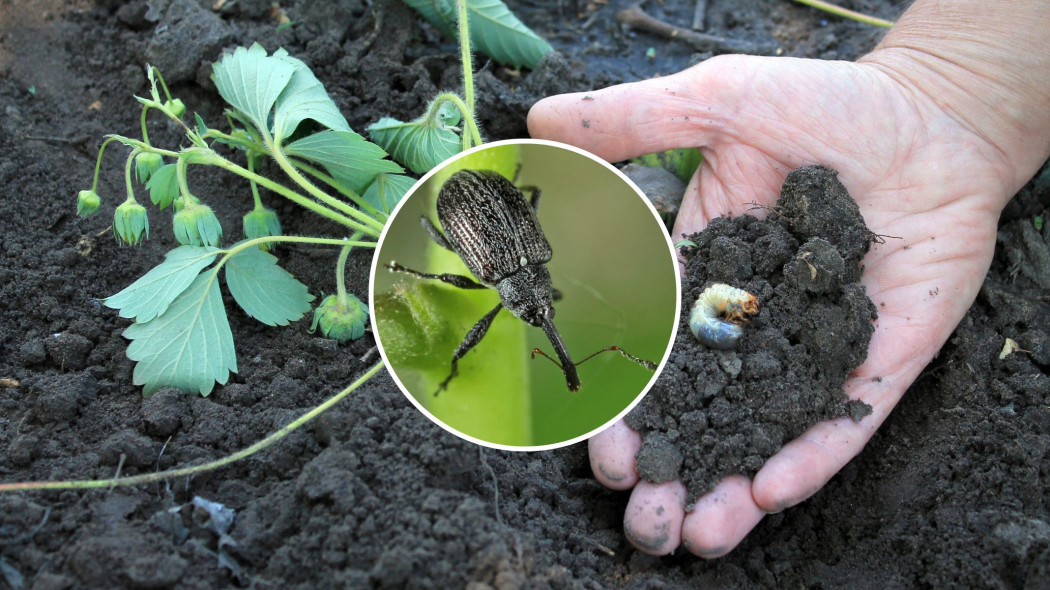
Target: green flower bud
<point x="176" y="106"/>
<point x="262" y="222"/>
<point x="87" y="203"/>
<point x="338" y="322"/>
<point x="146" y="164"/>
<point x="130" y="223"/>
<point x="196" y="225"/>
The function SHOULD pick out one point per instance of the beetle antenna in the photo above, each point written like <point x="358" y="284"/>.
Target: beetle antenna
<point x="647" y="364"/>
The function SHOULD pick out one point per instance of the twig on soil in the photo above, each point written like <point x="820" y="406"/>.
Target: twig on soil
<point x="28" y="534"/>
<point x="495" y="482"/>
<point x="52" y="139"/>
<point x="120" y="467"/>
<point x="635" y="18"/>
<point x="699" y="15"/>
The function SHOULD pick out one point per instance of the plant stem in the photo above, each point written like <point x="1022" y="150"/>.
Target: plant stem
<point x="342" y="188"/>
<point x="127" y="175"/>
<point x="255" y="242"/>
<point x="163" y="85"/>
<point x="186" y="471"/>
<point x="145" y="134"/>
<point x="98" y="161"/>
<point x="846" y="13"/>
<point x="217" y="160"/>
<point x="464" y="56"/>
<point x="470" y="127"/>
<point x="320" y="195"/>
<point x="255" y="187"/>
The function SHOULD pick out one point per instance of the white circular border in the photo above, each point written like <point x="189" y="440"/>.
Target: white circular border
<point x="582" y="437"/>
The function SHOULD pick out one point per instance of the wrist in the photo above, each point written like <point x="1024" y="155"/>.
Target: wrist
<point x="988" y="73"/>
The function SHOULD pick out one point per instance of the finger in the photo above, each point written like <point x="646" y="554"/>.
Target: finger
<point x="721" y="518"/>
<point x="653" y="520"/>
<point x="612" y="454"/>
<point x="628" y="120"/>
<point x="804" y="465"/>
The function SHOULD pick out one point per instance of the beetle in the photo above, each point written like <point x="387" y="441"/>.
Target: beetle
<point x="495" y="231"/>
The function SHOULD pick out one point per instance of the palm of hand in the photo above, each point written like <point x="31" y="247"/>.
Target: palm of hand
<point x="916" y="173"/>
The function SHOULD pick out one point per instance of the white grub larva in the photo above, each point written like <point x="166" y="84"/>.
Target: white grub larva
<point x="718" y="313"/>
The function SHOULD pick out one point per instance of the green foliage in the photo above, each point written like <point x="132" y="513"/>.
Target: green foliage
<point x="130" y="223"/>
<point x="278" y="109"/>
<point x="349" y="158"/>
<point x="423" y="143"/>
<point x="341" y="320"/>
<point x="494" y="30"/>
<point x="261" y="222"/>
<point x="264" y="290"/>
<point x="163" y="186"/>
<point x="181" y="336"/>
<point x="88" y="202"/>
<point x="146" y="164"/>
<point x="189" y="347"/>
<point x="150" y="296"/>
<point x="387" y="191"/>
<point x="196" y="225"/>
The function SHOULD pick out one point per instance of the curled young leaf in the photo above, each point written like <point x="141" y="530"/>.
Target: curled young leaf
<point x="423" y="143"/>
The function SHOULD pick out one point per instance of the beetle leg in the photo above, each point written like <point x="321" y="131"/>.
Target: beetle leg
<point x="534" y="200"/>
<point x="471" y="340"/>
<point x="455" y="280"/>
<point x="435" y="233"/>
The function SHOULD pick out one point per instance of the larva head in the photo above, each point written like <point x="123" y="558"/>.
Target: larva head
<point x="741" y="309"/>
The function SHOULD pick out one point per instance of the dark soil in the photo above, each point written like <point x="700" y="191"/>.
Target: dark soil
<point x="714" y="413"/>
<point x="952" y="492"/>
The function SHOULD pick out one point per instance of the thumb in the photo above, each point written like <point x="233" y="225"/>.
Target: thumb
<point x="629" y="120"/>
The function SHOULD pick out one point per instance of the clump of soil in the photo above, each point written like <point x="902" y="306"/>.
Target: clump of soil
<point x="714" y="413"/>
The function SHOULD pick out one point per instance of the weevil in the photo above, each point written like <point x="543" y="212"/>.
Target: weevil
<point x="495" y="231"/>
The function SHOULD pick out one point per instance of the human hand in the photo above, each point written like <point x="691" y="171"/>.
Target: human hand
<point x="916" y="166"/>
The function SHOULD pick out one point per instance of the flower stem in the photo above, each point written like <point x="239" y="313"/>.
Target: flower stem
<point x="145" y="133"/>
<point x="127" y="175"/>
<point x="185" y="471"/>
<point x="98" y="161"/>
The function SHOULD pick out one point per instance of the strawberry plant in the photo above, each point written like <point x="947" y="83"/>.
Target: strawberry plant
<point x="278" y="109"/>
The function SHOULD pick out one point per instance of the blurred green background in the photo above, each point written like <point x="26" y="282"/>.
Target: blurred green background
<point x="612" y="263"/>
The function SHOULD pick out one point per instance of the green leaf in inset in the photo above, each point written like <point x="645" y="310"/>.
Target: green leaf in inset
<point x="251" y="82"/>
<point x="189" y="346"/>
<point x="304" y="98"/>
<point x="420" y="144"/>
<point x="264" y="290"/>
<point x="494" y="30"/>
<point x="348" y="157"/>
<point x="151" y="295"/>
<point x="163" y="186"/>
<point x="387" y="191"/>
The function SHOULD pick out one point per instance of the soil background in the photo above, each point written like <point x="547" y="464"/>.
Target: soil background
<point x="952" y="492"/>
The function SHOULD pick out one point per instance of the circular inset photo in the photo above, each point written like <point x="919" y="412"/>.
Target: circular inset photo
<point x="474" y="262"/>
